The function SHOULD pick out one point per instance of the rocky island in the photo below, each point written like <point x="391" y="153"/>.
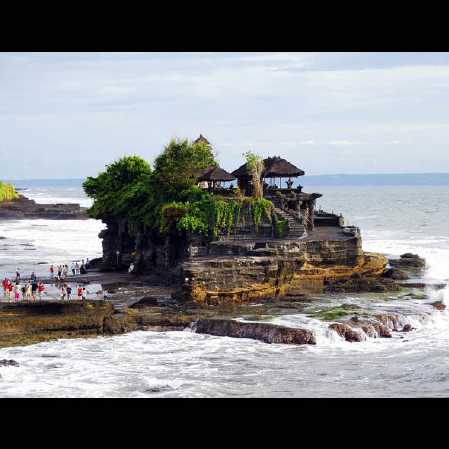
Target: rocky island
<point x="198" y="247"/>
<point x="19" y="207"/>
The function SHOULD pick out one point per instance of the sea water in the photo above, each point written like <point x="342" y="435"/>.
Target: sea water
<point x="393" y="220"/>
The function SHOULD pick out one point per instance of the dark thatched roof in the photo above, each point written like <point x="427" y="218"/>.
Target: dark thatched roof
<point x="275" y="167"/>
<point x="202" y="139"/>
<point x="214" y="173"/>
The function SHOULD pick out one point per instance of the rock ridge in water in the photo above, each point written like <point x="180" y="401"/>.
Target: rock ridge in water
<point x="266" y="332"/>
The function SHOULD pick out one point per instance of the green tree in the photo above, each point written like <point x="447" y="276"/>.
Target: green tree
<point x="176" y="169"/>
<point x="121" y="190"/>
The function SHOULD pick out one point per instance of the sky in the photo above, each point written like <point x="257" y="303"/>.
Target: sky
<point x="67" y="115"/>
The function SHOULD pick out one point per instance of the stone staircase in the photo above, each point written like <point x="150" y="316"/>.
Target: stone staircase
<point x="296" y="229"/>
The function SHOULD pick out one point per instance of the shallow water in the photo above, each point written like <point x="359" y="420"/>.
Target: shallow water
<point x="393" y="220"/>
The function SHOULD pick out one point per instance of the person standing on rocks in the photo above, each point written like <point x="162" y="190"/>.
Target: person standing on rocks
<point x="77" y="268"/>
<point x="28" y="292"/>
<point x="72" y="268"/>
<point x="33" y="277"/>
<point x="34" y="287"/>
<point x="62" y="293"/>
<point x="17" y="291"/>
<point x="5" y="283"/>
<point x="17" y="275"/>
<point x="84" y="294"/>
<point x="69" y="292"/>
<point x="79" y="291"/>
<point x="40" y="289"/>
<point x="52" y="271"/>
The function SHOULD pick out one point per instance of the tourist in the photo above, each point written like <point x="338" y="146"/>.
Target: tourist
<point x="33" y="276"/>
<point x="34" y="287"/>
<point x="52" y="271"/>
<point x="59" y="272"/>
<point x="17" y="291"/>
<point x="79" y="291"/>
<point x="65" y="271"/>
<point x="23" y="291"/>
<point x="5" y="284"/>
<point x="62" y="293"/>
<point x="69" y="292"/>
<point x="289" y="183"/>
<point x="40" y="289"/>
<point x="84" y="294"/>
<point x="28" y="292"/>
<point x="72" y="268"/>
<point x="17" y="275"/>
<point x="10" y="290"/>
<point x="77" y="268"/>
<point x="83" y="269"/>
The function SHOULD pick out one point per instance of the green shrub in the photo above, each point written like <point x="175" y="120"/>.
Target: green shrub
<point x="7" y="192"/>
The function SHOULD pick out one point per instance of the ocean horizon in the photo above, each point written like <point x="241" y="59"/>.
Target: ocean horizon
<point x="373" y="179"/>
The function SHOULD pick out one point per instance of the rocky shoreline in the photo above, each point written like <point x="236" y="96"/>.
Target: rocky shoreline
<point x="24" y="208"/>
<point x="141" y="304"/>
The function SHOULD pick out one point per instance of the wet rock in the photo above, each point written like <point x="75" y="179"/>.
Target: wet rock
<point x="408" y="260"/>
<point x="439" y="305"/>
<point x="347" y="332"/>
<point x="268" y="333"/>
<point x="422" y="285"/>
<point x="95" y="263"/>
<point x="383" y="331"/>
<point x="377" y="287"/>
<point x="389" y="320"/>
<point x="407" y="328"/>
<point x="396" y="274"/>
<point x="10" y="362"/>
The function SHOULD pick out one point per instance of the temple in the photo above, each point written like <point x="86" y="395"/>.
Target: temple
<point x="272" y="244"/>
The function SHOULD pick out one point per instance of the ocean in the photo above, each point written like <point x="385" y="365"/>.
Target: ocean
<point x="393" y="219"/>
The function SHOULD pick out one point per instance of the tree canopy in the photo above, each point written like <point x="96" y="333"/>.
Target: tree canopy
<point x="167" y="198"/>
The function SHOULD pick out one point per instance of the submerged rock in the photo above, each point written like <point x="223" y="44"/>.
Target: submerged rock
<point x="6" y="362"/>
<point x="268" y="333"/>
<point x="439" y="305"/>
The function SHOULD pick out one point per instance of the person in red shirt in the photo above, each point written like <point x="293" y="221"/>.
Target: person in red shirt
<point x="40" y="289"/>
<point x="5" y="284"/>
<point x="79" y="291"/>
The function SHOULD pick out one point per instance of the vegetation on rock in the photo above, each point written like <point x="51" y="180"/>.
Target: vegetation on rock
<point x="167" y="198"/>
<point x="7" y="192"/>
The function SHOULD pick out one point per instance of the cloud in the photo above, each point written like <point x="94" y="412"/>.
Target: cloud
<point x="322" y="111"/>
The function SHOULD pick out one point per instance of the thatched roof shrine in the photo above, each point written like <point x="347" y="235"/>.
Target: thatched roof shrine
<point x="202" y="139"/>
<point x="215" y="173"/>
<point x="275" y="167"/>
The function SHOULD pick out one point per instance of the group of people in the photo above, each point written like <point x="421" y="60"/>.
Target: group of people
<point x="34" y="289"/>
<point x="30" y="290"/>
<point x="61" y="271"/>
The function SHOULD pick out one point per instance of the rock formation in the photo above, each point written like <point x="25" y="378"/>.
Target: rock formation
<point x="23" y="207"/>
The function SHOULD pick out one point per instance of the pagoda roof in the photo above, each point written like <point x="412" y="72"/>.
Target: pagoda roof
<point x="275" y="167"/>
<point x="215" y="173"/>
<point x="201" y="139"/>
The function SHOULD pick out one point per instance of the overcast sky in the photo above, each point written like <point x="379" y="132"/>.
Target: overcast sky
<point x="66" y="115"/>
